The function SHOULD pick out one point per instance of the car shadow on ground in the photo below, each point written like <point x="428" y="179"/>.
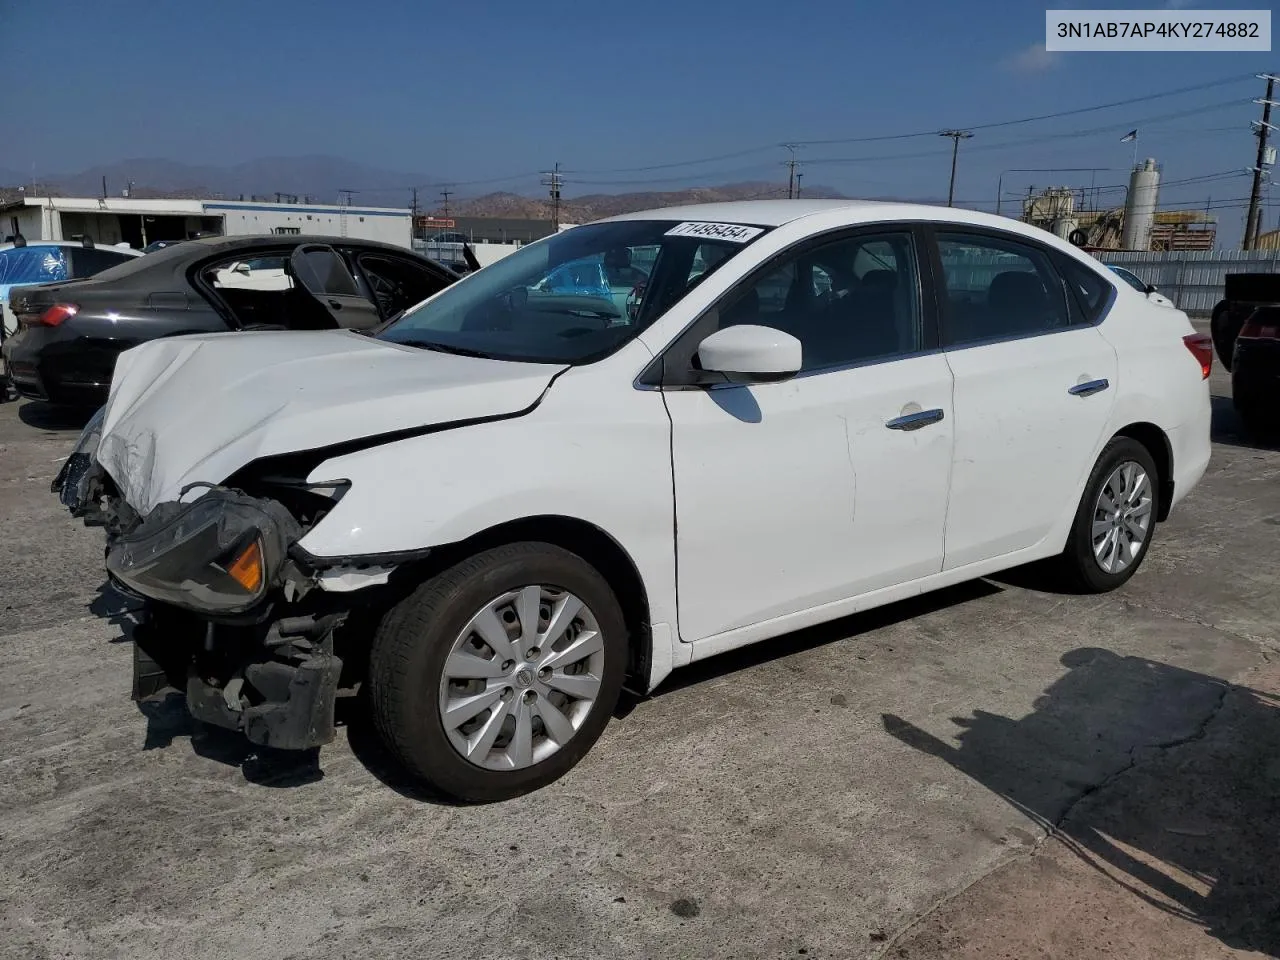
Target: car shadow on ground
<point x="370" y="751"/>
<point x="168" y="719"/>
<point x="1230" y="431"/>
<point x="786" y="645"/>
<point x="115" y="608"/>
<point x="45" y="416"/>
<point x="1108" y="762"/>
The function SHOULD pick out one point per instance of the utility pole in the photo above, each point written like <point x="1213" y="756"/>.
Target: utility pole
<point x="1251" y="221"/>
<point x="956" y="136"/>
<point x="791" y="169"/>
<point x="555" y="181"/>
<point x="104" y="186"/>
<point x="798" y="176"/>
<point x="446" y="194"/>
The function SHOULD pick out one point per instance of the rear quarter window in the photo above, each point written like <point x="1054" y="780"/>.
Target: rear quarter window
<point x="1091" y="292"/>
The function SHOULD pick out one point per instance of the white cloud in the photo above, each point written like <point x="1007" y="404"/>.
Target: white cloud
<point x="1033" y="59"/>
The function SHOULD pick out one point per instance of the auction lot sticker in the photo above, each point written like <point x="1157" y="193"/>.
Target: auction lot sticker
<point x="733" y="232"/>
<point x="1157" y="30"/>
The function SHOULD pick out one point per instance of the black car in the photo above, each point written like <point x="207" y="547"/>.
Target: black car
<point x="69" y="334"/>
<point x="1243" y="293"/>
<point x="1255" y="370"/>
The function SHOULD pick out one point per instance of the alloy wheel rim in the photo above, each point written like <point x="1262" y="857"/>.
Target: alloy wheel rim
<point x="1122" y="517"/>
<point x="521" y="678"/>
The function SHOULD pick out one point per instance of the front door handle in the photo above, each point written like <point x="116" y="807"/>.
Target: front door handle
<point x="335" y="304"/>
<point x="914" y="421"/>
<point x="1088" y="388"/>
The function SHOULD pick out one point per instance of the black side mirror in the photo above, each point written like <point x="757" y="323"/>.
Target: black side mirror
<point x="1151" y="288"/>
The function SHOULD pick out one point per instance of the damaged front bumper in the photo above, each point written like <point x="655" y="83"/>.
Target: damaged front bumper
<point x="224" y="620"/>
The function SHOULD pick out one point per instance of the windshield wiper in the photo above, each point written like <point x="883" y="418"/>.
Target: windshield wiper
<point x="445" y="348"/>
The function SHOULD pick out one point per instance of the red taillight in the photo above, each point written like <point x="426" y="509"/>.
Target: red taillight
<point x="1260" y="331"/>
<point x="57" y="313"/>
<point x="1201" y="347"/>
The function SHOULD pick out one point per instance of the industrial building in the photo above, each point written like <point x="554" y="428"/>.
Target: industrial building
<point x="485" y="229"/>
<point x="1139" y="225"/>
<point x="114" y="220"/>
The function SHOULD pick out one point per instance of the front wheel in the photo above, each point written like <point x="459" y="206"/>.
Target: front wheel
<point x="1115" y="521"/>
<point x="496" y="676"/>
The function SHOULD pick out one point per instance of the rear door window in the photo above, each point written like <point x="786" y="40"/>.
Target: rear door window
<point x="87" y="261"/>
<point x="325" y="272"/>
<point x="998" y="288"/>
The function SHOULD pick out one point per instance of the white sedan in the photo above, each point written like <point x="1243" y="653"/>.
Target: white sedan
<point x="497" y="511"/>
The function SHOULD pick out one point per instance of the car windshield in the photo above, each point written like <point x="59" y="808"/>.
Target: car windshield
<point x="573" y="297"/>
<point x="22" y="265"/>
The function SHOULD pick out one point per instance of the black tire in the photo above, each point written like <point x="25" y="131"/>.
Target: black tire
<point x="1077" y="564"/>
<point x="414" y="638"/>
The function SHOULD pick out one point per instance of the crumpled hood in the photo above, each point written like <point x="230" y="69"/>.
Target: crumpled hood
<point x="198" y="408"/>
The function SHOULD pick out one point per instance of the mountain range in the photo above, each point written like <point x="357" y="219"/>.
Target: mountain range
<point x="321" y="178"/>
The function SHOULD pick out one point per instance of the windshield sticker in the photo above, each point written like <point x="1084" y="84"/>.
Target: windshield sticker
<point x="733" y="232"/>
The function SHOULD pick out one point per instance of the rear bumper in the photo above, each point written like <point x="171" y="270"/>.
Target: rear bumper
<point x="1191" y="446"/>
<point x="45" y="366"/>
<point x="1255" y="376"/>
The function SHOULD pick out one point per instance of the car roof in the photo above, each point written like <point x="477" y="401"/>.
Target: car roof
<point x="775" y="213"/>
<point x="127" y="251"/>
<point x="169" y="265"/>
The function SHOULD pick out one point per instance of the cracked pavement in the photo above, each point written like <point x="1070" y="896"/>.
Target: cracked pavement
<point x="991" y="771"/>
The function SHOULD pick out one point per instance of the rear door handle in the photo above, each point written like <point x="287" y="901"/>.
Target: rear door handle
<point x="1089" y="388"/>
<point x="914" y="421"/>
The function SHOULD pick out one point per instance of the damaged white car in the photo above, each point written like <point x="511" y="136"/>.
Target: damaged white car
<point x="521" y="495"/>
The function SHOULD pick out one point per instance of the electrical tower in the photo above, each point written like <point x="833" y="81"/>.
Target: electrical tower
<point x="555" y="181"/>
<point x="345" y="204"/>
<point x="956" y="136"/>
<point x="1253" y="220"/>
<point x="446" y="194"/>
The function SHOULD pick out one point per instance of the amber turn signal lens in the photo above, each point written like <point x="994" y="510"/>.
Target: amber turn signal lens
<point x="246" y="569"/>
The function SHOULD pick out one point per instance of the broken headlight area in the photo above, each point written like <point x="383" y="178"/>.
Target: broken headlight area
<point x="81" y="483"/>
<point x="221" y="554"/>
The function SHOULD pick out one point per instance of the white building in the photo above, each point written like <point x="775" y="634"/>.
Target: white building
<point x="113" y="220"/>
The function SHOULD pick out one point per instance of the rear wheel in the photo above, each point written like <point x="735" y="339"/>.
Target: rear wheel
<point x="1115" y="521"/>
<point x="495" y="677"/>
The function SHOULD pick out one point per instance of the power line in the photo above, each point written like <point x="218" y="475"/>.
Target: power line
<point x="747" y="151"/>
<point x="1047" y="116"/>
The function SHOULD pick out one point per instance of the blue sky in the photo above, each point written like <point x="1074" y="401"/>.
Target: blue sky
<point x="473" y="91"/>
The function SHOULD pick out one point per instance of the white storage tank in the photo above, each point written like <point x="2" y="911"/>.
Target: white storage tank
<point x="1140" y="207"/>
<point x="1063" y="226"/>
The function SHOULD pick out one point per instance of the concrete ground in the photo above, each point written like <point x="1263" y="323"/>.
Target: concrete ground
<point x="994" y="771"/>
